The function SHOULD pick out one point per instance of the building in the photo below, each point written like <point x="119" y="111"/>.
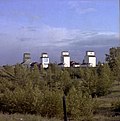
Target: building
<point x="26" y="59"/>
<point x="44" y="60"/>
<point x="74" y="64"/>
<point x="90" y="59"/>
<point x="65" y="58"/>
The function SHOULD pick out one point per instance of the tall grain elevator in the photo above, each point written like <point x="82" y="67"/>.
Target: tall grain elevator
<point x="90" y="58"/>
<point x="65" y="58"/>
<point x="44" y="60"/>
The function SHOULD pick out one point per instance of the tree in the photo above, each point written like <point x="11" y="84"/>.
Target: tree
<point x="36" y="78"/>
<point x="104" y="80"/>
<point x="21" y="75"/>
<point x="66" y="82"/>
<point x="52" y="104"/>
<point x="113" y="60"/>
<point x="89" y="82"/>
<point x="79" y="106"/>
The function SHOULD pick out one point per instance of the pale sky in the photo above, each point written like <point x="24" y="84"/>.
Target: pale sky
<point x="52" y="26"/>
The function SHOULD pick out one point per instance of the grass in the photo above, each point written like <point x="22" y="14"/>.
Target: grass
<point x="105" y="111"/>
<point x="20" y="117"/>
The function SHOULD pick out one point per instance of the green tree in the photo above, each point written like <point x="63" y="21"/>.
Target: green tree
<point x="79" y="106"/>
<point x="36" y="78"/>
<point x="21" y="74"/>
<point x="104" y="80"/>
<point x="89" y="82"/>
<point x="66" y="82"/>
<point x="113" y="60"/>
<point x="52" y="104"/>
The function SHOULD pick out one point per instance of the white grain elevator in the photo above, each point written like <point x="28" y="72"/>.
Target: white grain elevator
<point x="90" y="58"/>
<point x="44" y="60"/>
<point x="65" y="58"/>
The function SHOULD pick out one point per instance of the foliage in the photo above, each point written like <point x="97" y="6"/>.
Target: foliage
<point x="104" y="81"/>
<point x="79" y="106"/>
<point x="51" y="104"/>
<point x="25" y="117"/>
<point x="89" y="82"/>
<point x="116" y="105"/>
<point x="113" y="60"/>
<point x="40" y="91"/>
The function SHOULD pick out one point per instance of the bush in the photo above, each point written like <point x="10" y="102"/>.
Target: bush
<point x="79" y="106"/>
<point x="116" y="105"/>
<point x="52" y="104"/>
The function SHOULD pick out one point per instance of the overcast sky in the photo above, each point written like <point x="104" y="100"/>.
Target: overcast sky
<point x="52" y="26"/>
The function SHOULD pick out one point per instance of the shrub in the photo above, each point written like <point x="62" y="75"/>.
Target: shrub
<point x="52" y="104"/>
<point x="116" y="105"/>
<point x="79" y="106"/>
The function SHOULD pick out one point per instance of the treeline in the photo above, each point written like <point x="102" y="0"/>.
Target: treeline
<point x="40" y="91"/>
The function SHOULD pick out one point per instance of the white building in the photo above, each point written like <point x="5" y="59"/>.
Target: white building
<point x="44" y="60"/>
<point x="90" y="58"/>
<point x="65" y="58"/>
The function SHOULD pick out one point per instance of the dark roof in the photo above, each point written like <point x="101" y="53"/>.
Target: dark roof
<point x="26" y="53"/>
<point x="90" y="51"/>
<point x="60" y="64"/>
<point x="44" y="53"/>
<point x="91" y="55"/>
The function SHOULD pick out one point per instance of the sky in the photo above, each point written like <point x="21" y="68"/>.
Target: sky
<point x="52" y="26"/>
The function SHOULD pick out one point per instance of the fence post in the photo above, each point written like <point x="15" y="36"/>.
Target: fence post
<point x="64" y="108"/>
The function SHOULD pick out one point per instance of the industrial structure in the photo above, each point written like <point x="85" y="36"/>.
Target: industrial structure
<point x="65" y="58"/>
<point x="44" y="60"/>
<point x="26" y="59"/>
<point x="90" y="59"/>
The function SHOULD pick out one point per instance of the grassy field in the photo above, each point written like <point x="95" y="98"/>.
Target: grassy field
<point x="20" y="117"/>
<point x="105" y="112"/>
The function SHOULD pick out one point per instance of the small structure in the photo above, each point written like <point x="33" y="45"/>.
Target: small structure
<point x="65" y="58"/>
<point x="90" y="59"/>
<point x="26" y="59"/>
<point x="44" y="60"/>
<point x="74" y="64"/>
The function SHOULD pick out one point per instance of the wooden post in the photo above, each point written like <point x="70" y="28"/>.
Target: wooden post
<point x="64" y="108"/>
